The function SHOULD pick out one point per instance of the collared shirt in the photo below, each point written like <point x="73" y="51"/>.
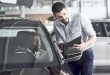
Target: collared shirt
<point x="78" y="25"/>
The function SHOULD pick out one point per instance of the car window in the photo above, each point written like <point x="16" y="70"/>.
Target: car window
<point x="26" y="43"/>
<point x="99" y="28"/>
<point x="107" y="26"/>
<point x="26" y="47"/>
<point x="2" y="42"/>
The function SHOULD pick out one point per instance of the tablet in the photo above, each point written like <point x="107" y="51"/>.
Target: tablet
<point x="74" y="41"/>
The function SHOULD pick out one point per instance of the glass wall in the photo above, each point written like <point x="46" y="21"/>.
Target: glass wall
<point x="44" y="4"/>
<point x="94" y="8"/>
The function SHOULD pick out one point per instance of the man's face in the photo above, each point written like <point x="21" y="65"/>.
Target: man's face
<point x="62" y="16"/>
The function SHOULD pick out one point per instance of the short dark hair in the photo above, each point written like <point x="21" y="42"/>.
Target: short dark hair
<point x="57" y="7"/>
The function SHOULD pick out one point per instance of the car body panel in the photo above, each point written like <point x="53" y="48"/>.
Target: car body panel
<point x="100" y="51"/>
<point x="31" y="71"/>
<point x="102" y="47"/>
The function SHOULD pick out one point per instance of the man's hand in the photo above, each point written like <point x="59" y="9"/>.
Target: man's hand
<point x="85" y="45"/>
<point x="79" y="46"/>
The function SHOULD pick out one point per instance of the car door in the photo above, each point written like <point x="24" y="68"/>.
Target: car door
<point x="107" y="27"/>
<point x="23" y="53"/>
<point x="100" y="46"/>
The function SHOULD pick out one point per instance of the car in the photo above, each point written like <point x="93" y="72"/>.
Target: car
<point x="26" y="48"/>
<point x="102" y="45"/>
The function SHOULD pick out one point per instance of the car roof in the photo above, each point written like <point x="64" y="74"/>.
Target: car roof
<point x="7" y="22"/>
<point x="100" y="20"/>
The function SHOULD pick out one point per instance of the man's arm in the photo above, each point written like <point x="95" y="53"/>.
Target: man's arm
<point x="85" y="45"/>
<point x="89" y="31"/>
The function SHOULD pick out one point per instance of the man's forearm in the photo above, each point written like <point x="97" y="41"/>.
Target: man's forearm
<point x="89" y="43"/>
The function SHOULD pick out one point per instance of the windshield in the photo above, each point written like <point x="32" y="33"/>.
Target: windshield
<point x="25" y="46"/>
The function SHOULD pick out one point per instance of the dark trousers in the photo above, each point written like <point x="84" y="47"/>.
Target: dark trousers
<point x="84" y="66"/>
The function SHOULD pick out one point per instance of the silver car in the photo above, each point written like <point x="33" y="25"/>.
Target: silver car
<point x="102" y="45"/>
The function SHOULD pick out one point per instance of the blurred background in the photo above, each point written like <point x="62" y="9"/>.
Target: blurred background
<point x="41" y="9"/>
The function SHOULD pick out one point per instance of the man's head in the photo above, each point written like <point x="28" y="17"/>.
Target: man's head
<point x="60" y="12"/>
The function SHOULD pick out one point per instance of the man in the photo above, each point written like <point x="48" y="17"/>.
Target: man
<point x="69" y="26"/>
